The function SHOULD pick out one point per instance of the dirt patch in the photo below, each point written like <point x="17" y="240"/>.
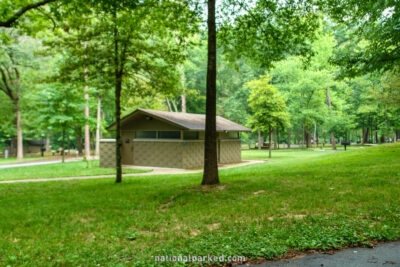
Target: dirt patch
<point x="259" y="192"/>
<point x="296" y="216"/>
<point x="213" y="226"/>
<point x="209" y="188"/>
<point x="195" y="233"/>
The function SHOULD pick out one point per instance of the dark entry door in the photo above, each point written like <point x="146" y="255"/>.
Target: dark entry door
<point x="127" y="149"/>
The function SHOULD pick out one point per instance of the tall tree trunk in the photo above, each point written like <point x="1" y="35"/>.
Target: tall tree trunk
<point x="63" y="146"/>
<point x="98" y="126"/>
<point x="48" y="146"/>
<point x="270" y="140"/>
<point x="288" y="138"/>
<point x="87" y="133"/>
<point x="174" y="105"/>
<point x="307" y="134"/>
<point x="328" y="99"/>
<point x="210" y="175"/>
<point x="78" y="137"/>
<point x="259" y="143"/>
<point x="304" y="136"/>
<point x="183" y="96"/>
<point x="387" y="125"/>
<point x="169" y="105"/>
<point x="68" y="142"/>
<point x="20" y="145"/>
<point x="333" y="141"/>
<point x="183" y="99"/>
<point x="86" y="95"/>
<point x="277" y="137"/>
<point x="315" y="135"/>
<point x="118" y="89"/>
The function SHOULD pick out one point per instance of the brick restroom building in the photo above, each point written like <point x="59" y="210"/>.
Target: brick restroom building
<point x="170" y="139"/>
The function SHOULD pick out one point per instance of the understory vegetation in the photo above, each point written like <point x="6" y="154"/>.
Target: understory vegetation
<point x="302" y="200"/>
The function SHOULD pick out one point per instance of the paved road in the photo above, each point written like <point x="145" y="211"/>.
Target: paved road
<point x="386" y="254"/>
<point x="39" y="162"/>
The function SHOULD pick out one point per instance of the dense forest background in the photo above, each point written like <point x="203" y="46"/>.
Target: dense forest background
<point x="61" y="72"/>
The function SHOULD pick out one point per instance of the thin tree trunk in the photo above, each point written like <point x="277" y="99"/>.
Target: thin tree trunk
<point x="210" y="175"/>
<point x="68" y="142"/>
<point x="118" y="88"/>
<point x="328" y="99"/>
<point x="98" y="126"/>
<point x="78" y="137"/>
<point x="86" y="95"/>
<point x="183" y="96"/>
<point x="20" y="145"/>
<point x="174" y="105"/>
<point x="169" y="105"/>
<point x="259" y="139"/>
<point x="87" y="133"/>
<point x="303" y="141"/>
<point x="333" y="141"/>
<point x="270" y="140"/>
<point x="183" y="99"/>
<point x="277" y="137"/>
<point x="63" y="146"/>
<point x="288" y="138"/>
<point x="315" y="135"/>
<point x="118" y="72"/>
<point x="387" y="125"/>
<point x="48" y="147"/>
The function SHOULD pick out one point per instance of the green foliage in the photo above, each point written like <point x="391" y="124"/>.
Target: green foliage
<point x="268" y="107"/>
<point x="372" y="41"/>
<point x="268" y="31"/>
<point x="60" y="107"/>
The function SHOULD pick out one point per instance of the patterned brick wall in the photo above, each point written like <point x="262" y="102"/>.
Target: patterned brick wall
<point x="107" y="153"/>
<point x="230" y="151"/>
<point x="158" y="153"/>
<point x="193" y="154"/>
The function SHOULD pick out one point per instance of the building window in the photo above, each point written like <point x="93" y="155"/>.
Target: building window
<point x="169" y="135"/>
<point x="146" y="134"/>
<point x="233" y="135"/>
<point x="190" y="135"/>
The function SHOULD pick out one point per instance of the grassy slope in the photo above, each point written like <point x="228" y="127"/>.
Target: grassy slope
<point x="66" y="169"/>
<point x="258" y="211"/>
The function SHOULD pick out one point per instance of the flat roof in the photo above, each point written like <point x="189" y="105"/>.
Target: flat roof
<point x="188" y="121"/>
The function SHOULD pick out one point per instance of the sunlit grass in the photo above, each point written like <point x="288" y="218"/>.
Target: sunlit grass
<point x="302" y="200"/>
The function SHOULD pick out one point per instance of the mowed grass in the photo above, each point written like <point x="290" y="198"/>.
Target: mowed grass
<point x="279" y="155"/>
<point x="331" y="200"/>
<point x="55" y="170"/>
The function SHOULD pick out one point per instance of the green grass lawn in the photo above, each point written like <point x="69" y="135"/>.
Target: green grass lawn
<point x="306" y="200"/>
<point x="67" y="169"/>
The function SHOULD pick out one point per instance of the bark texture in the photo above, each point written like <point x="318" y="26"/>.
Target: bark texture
<point x="270" y="141"/>
<point x="98" y="126"/>
<point x="328" y="100"/>
<point x="210" y="175"/>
